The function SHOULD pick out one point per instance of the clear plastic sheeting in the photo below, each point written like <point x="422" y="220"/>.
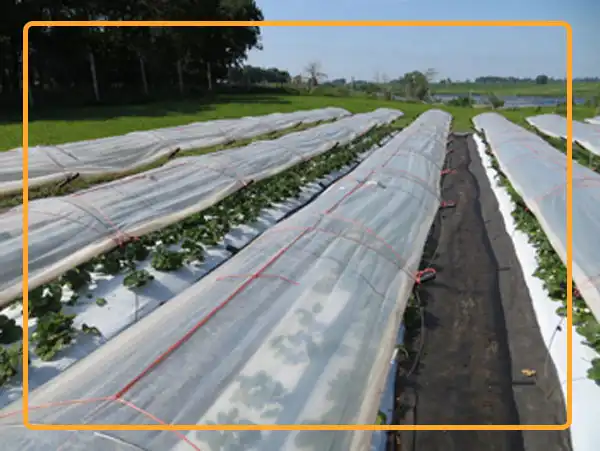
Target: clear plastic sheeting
<point x="593" y="120"/>
<point x="555" y="126"/>
<point x="67" y="231"/>
<point x="387" y="405"/>
<point x="538" y="172"/>
<point x="119" y="154"/>
<point x="297" y="328"/>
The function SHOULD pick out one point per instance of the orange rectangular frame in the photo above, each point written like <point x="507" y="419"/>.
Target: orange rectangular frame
<point x="292" y="23"/>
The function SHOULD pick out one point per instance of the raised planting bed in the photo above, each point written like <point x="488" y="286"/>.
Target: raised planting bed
<point x="74" y="183"/>
<point x="122" y="154"/>
<point x="581" y="155"/>
<point x="534" y="172"/>
<point x="555" y="126"/>
<point x="544" y="268"/>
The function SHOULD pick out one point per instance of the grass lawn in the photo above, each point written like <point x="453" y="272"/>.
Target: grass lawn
<point x="97" y="122"/>
<point x="580" y="89"/>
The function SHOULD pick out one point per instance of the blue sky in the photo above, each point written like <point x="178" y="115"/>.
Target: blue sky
<point x="458" y="53"/>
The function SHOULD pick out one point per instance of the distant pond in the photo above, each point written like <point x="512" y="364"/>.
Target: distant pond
<point x="511" y="101"/>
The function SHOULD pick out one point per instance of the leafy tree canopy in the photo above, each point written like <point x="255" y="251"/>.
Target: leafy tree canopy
<point x="60" y="57"/>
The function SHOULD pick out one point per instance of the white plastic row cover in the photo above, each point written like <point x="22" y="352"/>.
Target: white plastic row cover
<point x="67" y="231"/>
<point x="593" y="120"/>
<point x="307" y="318"/>
<point x="537" y="171"/>
<point x="555" y="126"/>
<point x="120" y="154"/>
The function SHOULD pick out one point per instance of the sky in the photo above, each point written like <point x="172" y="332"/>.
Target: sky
<point x="454" y="52"/>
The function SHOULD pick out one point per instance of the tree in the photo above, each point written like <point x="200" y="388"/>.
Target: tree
<point x="416" y="85"/>
<point x="386" y="87"/>
<point x="251" y="75"/>
<point x="541" y="80"/>
<point x="495" y="101"/>
<point x="313" y="70"/>
<point x="297" y="80"/>
<point x="82" y="64"/>
<point x="338" y="82"/>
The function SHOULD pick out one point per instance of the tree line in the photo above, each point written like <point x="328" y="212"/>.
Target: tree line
<point x="253" y="75"/>
<point x="541" y="79"/>
<point x="95" y="63"/>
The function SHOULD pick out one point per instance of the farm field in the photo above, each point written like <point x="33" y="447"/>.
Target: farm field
<point x="104" y="307"/>
<point x="268" y="224"/>
<point x="580" y="89"/>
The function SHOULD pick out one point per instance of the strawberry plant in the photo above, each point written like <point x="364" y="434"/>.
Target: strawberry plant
<point x="136" y="279"/>
<point x="192" y="251"/>
<point x="212" y="236"/>
<point x="164" y="259"/>
<point x="54" y="331"/>
<point x="250" y="211"/>
<point x="76" y="278"/>
<point x="169" y="237"/>
<point x="10" y="362"/>
<point x="193" y="234"/>
<point x="10" y="331"/>
<point x="45" y="299"/>
<point x="110" y="263"/>
<point x="594" y="371"/>
<point x="101" y="302"/>
<point x="136" y="250"/>
<point x="91" y="330"/>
